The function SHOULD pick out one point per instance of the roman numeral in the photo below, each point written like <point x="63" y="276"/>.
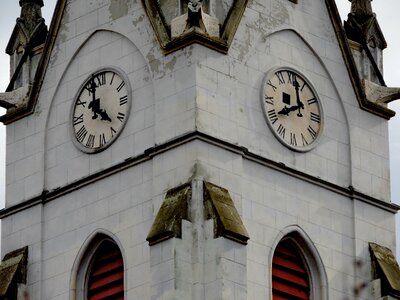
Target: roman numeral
<point x="112" y="78"/>
<point x="79" y="102"/>
<point x="293" y="141"/>
<point x="121" y="116"/>
<point x="312" y="101"/>
<point x="88" y="87"/>
<point x="112" y="131"/>
<point x="281" y="131"/>
<point x="272" y="116"/>
<point x="123" y="100"/>
<point x="312" y="132"/>
<point x="78" y="120"/>
<point x="271" y="85"/>
<point x="102" y="140"/>
<point x="101" y="79"/>
<point x="280" y="77"/>
<point x="291" y="77"/>
<point x="119" y="88"/>
<point x="303" y="140"/>
<point x="90" y="141"/>
<point x="81" y="134"/>
<point x="302" y="87"/>
<point x="269" y="100"/>
<point x="315" y="118"/>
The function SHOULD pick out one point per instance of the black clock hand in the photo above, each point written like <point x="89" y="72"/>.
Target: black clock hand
<point x="95" y="103"/>
<point x="104" y="115"/>
<point x="300" y="104"/>
<point x="286" y="110"/>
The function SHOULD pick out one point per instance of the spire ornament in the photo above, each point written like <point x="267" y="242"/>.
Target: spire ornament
<point x="363" y="28"/>
<point x="361" y="9"/>
<point x="179" y="23"/>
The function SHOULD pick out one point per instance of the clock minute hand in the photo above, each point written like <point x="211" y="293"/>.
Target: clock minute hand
<point x="300" y="104"/>
<point x="95" y="103"/>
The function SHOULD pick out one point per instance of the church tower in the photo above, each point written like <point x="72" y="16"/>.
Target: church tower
<point x="188" y="149"/>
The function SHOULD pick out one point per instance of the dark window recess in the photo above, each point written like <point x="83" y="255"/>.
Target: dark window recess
<point x="294" y="1"/>
<point x="106" y="274"/>
<point x="290" y="278"/>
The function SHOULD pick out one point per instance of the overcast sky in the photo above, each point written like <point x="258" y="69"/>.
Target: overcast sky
<point x="387" y="12"/>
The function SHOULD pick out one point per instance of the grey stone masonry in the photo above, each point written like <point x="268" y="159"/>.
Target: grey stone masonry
<point x="197" y="116"/>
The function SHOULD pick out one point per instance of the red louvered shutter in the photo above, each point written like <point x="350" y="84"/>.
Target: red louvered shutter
<point x="106" y="277"/>
<point x="290" y="279"/>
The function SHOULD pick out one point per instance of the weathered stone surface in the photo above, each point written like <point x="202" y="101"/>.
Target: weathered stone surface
<point x="361" y="8"/>
<point x="220" y="207"/>
<point x="13" y="272"/>
<point x="183" y="31"/>
<point x="386" y="268"/>
<point x="380" y="94"/>
<point x="168" y="222"/>
<point x="15" y="98"/>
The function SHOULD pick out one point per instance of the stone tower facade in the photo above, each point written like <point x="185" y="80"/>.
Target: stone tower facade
<point x="198" y="150"/>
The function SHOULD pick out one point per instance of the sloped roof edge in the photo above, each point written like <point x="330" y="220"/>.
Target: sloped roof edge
<point x="13" y="115"/>
<point x="11" y="41"/>
<point x="366" y="105"/>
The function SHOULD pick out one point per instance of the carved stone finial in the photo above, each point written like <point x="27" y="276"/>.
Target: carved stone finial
<point x="38" y="2"/>
<point x="361" y="9"/>
<point x="31" y="13"/>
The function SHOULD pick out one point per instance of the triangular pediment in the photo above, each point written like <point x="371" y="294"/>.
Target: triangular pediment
<point x="18" y="37"/>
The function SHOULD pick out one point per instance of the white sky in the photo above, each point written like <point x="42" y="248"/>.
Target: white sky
<point x="387" y="12"/>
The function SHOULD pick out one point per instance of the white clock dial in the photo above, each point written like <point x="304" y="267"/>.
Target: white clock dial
<point x="100" y="110"/>
<point x="292" y="109"/>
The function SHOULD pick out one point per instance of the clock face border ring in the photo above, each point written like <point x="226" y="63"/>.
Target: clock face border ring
<point x="269" y="74"/>
<point x="127" y="82"/>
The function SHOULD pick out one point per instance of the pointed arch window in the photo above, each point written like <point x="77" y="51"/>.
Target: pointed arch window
<point x="100" y="271"/>
<point x="106" y="273"/>
<point x="290" y="279"/>
<point x="297" y="270"/>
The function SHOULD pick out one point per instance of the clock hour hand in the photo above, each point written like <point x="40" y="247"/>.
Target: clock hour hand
<point x="286" y="110"/>
<point x="104" y="116"/>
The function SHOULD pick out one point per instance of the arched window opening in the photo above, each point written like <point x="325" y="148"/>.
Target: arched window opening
<point x="105" y="276"/>
<point x="290" y="276"/>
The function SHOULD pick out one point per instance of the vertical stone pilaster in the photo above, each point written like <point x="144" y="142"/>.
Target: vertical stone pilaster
<point x="204" y="259"/>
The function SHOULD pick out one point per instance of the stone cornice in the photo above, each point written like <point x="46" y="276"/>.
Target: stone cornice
<point x="148" y="154"/>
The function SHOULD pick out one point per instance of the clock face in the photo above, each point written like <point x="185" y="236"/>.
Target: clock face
<point x="292" y="109"/>
<point x="100" y="110"/>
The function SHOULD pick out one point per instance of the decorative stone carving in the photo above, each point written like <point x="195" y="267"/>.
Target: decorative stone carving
<point x="193" y="23"/>
<point x="362" y="9"/>
<point x="380" y="94"/>
<point x="27" y="40"/>
<point x="15" y="98"/>
<point x="195" y="19"/>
